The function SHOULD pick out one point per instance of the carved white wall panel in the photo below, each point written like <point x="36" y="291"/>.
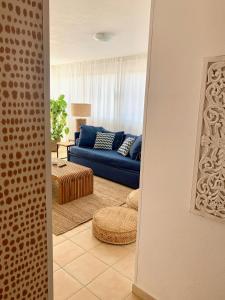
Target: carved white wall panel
<point x="209" y="176"/>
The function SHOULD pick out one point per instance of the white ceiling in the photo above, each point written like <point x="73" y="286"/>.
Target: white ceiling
<point x="73" y="23"/>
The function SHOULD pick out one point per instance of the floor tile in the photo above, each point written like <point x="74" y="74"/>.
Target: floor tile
<point x="85" y="268"/>
<point x="132" y="297"/>
<point x="131" y="247"/>
<point x="64" y="285"/>
<point x="125" y="266"/>
<point x="55" y="267"/>
<point x="57" y="239"/>
<point x="109" y="254"/>
<point x="83" y="294"/>
<point x="85" y="240"/>
<point x="89" y="224"/>
<point x="75" y="231"/>
<point x="66" y="252"/>
<point x="110" y="286"/>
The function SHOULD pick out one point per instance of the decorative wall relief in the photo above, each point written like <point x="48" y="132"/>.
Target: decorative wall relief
<point x="23" y="232"/>
<point x="209" y="177"/>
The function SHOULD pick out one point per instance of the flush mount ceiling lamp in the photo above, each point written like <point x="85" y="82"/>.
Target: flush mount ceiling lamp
<point x="102" y="36"/>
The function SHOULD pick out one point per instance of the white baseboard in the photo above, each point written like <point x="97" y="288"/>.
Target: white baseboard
<point x="141" y="294"/>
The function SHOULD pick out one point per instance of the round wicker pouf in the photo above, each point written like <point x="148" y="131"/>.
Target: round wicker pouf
<point x="115" y="225"/>
<point x="133" y="199"/>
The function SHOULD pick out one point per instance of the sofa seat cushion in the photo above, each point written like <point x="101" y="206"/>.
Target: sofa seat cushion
<point x="111" y="158"/>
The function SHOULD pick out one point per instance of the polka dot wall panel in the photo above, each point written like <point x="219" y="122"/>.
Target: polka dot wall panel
<point x="23" y="237"/>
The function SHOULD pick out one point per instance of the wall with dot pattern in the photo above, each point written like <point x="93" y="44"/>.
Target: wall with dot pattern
<point x="23" y="230"/>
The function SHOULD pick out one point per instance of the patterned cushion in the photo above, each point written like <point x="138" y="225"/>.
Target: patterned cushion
<point x="125" y="148"/>
<point x="104" y="140"/>
<point x="119" y="137"/>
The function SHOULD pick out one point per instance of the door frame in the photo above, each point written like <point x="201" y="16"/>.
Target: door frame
<point x="46" y="42"/>
<point x="48" y="188"/>
<point x="143" y="152"/>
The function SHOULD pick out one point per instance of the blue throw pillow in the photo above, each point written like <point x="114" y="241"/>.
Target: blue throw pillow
<point x="135" y="149"/>
<point x="119" y="138"/>
<point x="88" y="135"/>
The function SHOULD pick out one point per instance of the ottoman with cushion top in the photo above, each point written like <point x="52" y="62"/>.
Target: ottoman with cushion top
<point x="115" y="225"/>
<point x="133" y="198"/>
<point x="71" y="181"/>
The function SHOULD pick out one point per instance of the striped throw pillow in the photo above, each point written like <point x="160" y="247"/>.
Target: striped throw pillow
<point x="104" y="140"/>
<point x="125" y="148"/>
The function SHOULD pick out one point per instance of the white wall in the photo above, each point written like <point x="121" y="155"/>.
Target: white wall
<point x="181" y="255"/>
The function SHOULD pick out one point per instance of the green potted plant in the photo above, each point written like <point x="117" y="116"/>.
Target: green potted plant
<point x="58" y="116"/>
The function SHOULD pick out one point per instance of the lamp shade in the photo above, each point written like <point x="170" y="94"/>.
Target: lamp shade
<point x="80" y="110"/>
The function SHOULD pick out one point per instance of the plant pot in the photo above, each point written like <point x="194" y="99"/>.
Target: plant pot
<point x="54" y="145"/>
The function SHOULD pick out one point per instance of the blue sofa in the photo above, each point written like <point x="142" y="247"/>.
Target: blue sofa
<point x="108" y="164"/>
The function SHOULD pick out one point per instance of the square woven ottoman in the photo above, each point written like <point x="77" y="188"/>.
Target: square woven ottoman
<point x="71" y="181"/>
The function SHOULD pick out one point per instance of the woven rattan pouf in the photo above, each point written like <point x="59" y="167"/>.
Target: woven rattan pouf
<point x="133" y="199"/>
<point x="115" y="225"/>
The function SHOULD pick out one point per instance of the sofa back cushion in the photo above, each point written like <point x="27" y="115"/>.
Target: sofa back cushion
<point x="135" y="150"/>
<point x="130" y="136"/>
<point x="88" y="135"/>
<point x="104" y="140"/>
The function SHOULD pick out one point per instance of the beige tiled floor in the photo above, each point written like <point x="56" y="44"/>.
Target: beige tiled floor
<point x="86" y="269"/>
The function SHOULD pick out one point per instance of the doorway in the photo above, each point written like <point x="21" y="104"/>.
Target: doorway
<point x="98" y="61"/>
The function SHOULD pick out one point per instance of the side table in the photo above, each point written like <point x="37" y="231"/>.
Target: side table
<point x="64" y="144"/>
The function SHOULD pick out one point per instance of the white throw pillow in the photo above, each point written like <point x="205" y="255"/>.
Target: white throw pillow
<point x="104" y="140"/>
<point x="125" y="147"/>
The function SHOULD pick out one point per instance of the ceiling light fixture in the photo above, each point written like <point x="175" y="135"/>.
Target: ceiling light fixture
<point x="102" y="36"/>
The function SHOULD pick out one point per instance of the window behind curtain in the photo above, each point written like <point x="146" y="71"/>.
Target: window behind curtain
<point x="115" y="87"/>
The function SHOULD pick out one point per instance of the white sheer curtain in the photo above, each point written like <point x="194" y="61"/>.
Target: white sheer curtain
<point x="115" y="87"/>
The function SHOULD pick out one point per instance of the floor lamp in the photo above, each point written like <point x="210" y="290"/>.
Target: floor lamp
<point x="81" y="111"/>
